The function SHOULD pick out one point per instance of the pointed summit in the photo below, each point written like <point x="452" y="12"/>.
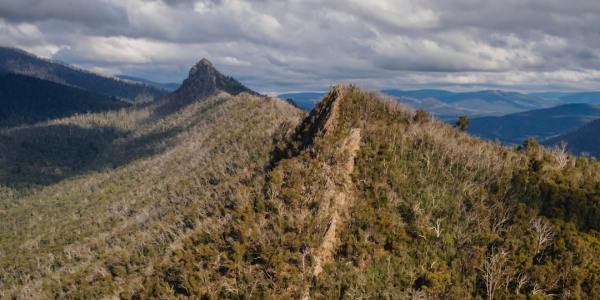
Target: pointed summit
<point x="204" y="80"/>
<point x="205" y="61"/>
<point x="203" y="66"/>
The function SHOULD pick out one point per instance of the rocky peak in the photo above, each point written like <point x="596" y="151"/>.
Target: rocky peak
<point x="204" y="66"/>
<point x="204" y="80"/>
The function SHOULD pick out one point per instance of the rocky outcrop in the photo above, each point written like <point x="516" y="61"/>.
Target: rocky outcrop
<point x="204" y="80"/>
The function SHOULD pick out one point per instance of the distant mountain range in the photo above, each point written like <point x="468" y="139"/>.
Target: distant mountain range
<point x="16" y="61"/>
<point x="565" y="97"/>
<point x="36" y="89"/>
<point x="304" y="100"/>
<point x="541" y="124"/>
<point x="169" y="86"/>
<point x="509" y="117"/>
<point x="584" y="140"/>
<point x="449" y="105"/>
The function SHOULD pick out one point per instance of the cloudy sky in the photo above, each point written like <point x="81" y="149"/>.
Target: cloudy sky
<point x="293" y="45"/>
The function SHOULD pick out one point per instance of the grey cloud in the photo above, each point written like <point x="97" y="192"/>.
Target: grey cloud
<point x="189" y="2"/>
<point x="289" y="44"/>
<point x="80" y="11"/>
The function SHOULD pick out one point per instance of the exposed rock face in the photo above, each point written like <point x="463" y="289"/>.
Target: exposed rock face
<point x="322" y="118"/>
<point x="204" y="80"/>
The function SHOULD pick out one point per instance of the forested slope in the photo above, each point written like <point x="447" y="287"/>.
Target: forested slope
<point x="246" y="197"/>
<point x="100" y="231"/>
<point x="16" y="61"/>
<point x="583" y="140"/>
<point x="26" y="99"/>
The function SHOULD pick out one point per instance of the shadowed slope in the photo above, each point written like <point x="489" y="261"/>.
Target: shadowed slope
<point x="26" y="99"/>
<point x="584" y="140"/>
<point x="45" y="153"/>
<point x="20" y="62"/>
<point x="541" y="124"/>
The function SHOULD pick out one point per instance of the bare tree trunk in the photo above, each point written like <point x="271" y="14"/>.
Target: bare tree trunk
<point x="494" y="270"/>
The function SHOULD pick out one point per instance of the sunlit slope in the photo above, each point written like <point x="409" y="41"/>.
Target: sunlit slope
<point x="97" y="233"/>
<point x="239" y="197"/>
<point x="438" y="214"/>
<point x="369" y="200"/>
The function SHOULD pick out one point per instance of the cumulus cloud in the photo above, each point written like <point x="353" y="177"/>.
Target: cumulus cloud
<point x="277" y="45"/>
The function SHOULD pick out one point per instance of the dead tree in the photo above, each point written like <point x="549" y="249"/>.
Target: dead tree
<point x="494" y="271"/>
<point x="544" y="234"/>
<point x="561" y="155"/>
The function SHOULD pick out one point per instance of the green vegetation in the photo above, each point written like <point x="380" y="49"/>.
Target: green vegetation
<point x="462" y="123"/>
<point x="100" y="229"/>
<point x="239" y="197"/>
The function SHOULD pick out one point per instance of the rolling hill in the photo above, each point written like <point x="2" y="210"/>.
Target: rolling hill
<point x="581" y="97"/>
<point x="305" y="100"/>
<point x="20" y="62"/>
<point x="590" y="97"/>
<point x="583" y="140"/>
<point x="541" y="124"/>
<point x="171" y="86"/>
<point x="228" y="194"/>
<point x="448" y="105"/>
<point x="26" y="99"/>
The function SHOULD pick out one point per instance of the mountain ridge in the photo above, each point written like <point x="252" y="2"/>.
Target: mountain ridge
<point x="25" y="99"/>
<point x="541" y="124"/>
<point x="167" y="86"/>
<point x="18" y="61"/>
<point x="448" y="105"/>
<point x="581" y="141"/>
<point x="248" y="197"/>
<point x="392" y="137"/>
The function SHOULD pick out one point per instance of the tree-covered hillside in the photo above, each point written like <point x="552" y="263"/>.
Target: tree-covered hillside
<point x="449" y="105"/>
<point x="247" y="197"/>
<point x="541" y="124"/>
<point x="583" y="141"/>
<point x="98" y="200"/>
<point x="26" y="99"/>
<point x="17" y="61"/>
<point x="400" y="206"/>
